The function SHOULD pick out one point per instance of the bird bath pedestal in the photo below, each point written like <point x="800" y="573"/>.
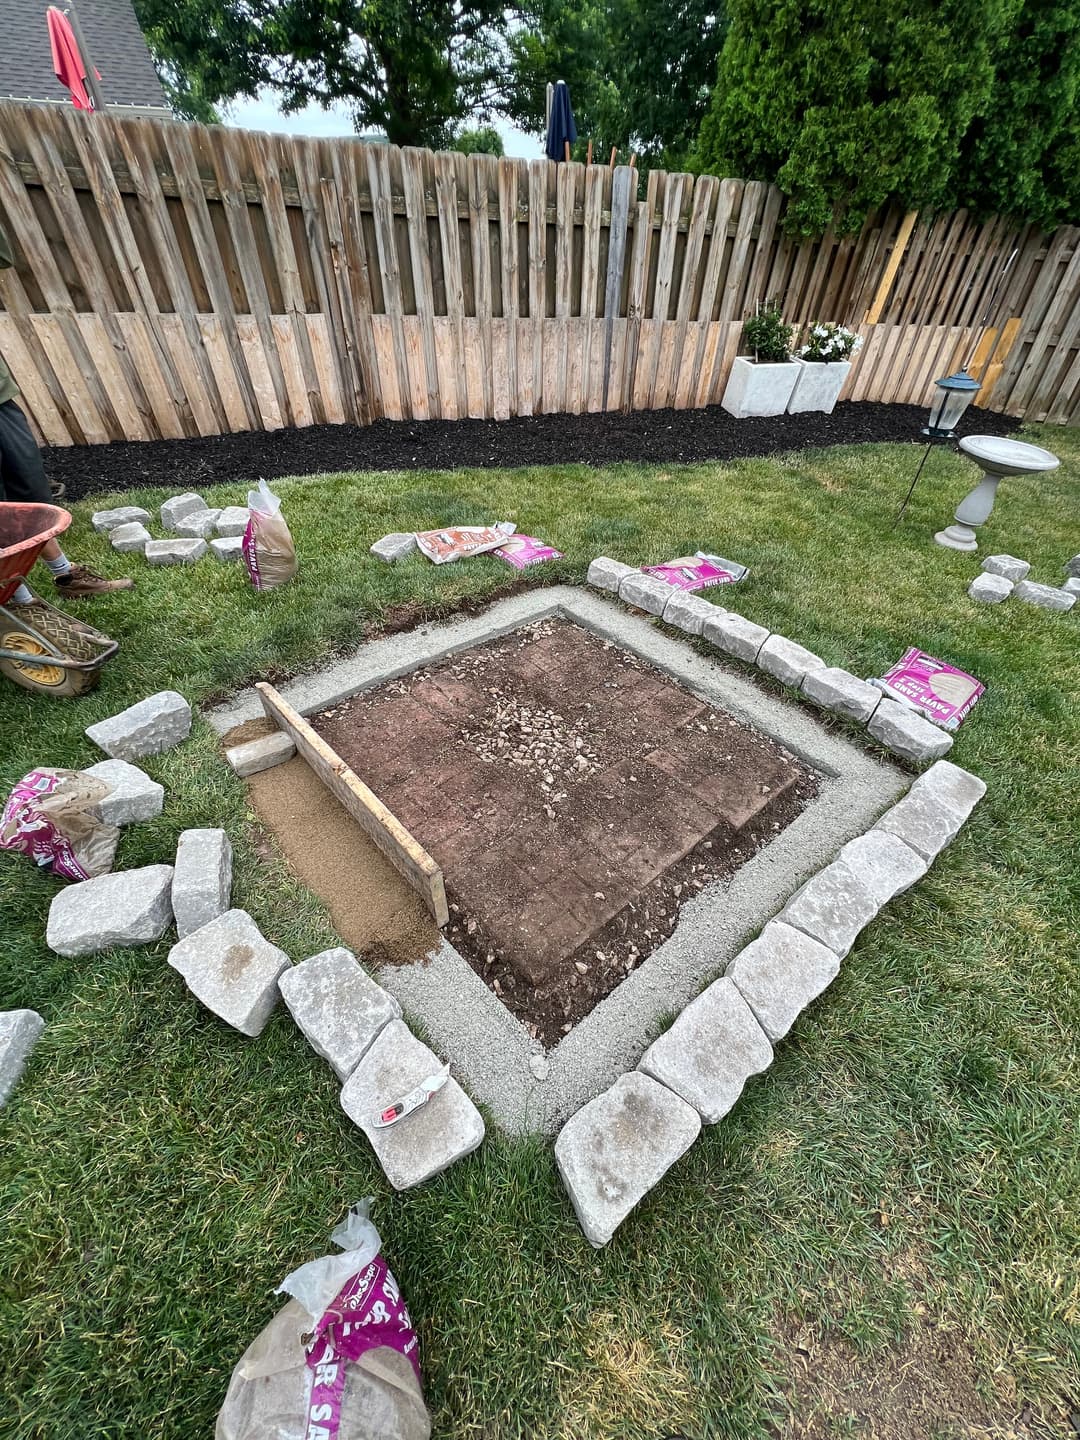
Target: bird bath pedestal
<point x="998" y="457"/>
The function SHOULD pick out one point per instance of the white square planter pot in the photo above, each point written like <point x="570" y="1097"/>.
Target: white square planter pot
<point x="759" y="388"/>
<point x="818" y="385"/>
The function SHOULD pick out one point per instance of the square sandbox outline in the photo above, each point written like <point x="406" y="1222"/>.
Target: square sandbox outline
<point x="491" y="1051"/>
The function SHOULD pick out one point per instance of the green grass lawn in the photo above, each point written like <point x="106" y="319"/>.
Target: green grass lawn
<point x="880" y="1240"/>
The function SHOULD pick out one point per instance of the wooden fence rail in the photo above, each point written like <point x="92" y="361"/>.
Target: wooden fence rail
<point x="177" y="280"/>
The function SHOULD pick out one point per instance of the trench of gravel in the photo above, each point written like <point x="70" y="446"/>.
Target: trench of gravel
<point x="574" y="796"/>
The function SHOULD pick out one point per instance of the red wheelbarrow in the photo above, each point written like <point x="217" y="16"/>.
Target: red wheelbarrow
<point x="41" y="648"/>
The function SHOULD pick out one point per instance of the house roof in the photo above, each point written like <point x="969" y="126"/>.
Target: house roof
<point x="115" y="42"/>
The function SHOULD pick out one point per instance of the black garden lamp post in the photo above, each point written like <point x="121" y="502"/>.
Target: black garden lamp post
<point x="954" y="394"/>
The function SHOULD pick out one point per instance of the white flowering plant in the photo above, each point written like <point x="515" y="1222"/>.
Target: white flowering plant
<point x="824" y="342"/>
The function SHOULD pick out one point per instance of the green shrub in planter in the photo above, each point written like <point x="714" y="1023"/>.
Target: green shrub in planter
<point x="767" y="337"/>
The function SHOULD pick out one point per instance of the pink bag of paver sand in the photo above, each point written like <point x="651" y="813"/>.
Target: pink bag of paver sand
<point x="52" y="816"/>
<point x="932" y="687"/>
<point x="339" y="1362"/>
<point x="697" y="572"/>
<point x="267" y="547"/>
<point x="521" y="551"/>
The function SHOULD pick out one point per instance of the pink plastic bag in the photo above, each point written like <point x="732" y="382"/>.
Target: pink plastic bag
<point x="52" y="816"/>
<point x="521" y="551"/>
<point x="339" y="1362"/>
<point x="267" y="547"/>
<point x="932" y="687"/>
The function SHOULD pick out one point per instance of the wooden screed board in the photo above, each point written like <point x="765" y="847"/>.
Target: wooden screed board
<point x="400" y="848"/>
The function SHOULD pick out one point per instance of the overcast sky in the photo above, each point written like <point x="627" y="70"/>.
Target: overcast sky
<point x="264" y="114"/>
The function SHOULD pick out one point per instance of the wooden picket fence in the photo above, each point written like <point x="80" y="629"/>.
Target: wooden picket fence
<point x="178" y="280"/>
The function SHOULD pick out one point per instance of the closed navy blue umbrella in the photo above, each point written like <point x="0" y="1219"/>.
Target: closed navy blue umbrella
<point x="561" y="128"/>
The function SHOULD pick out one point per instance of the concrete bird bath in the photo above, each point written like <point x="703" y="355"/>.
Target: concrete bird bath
<point x="998" y="457"/>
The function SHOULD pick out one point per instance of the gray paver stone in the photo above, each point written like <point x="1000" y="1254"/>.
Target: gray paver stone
<point x="884" y="864"/>
<point x="174" y="552"/>
<point x="19" y="1031"/>
<point x="105" y="520"/>
<point x="788" y="661"/>
<point x="232" y="969"/>
<point x="147" y="728"/>
<point x="1007" y="566"/>
<point x="1072" y="585"/>
<point x="202" y="882"/>
<point x="1072" y="567"/>
<point x="779" y="973"/>
<point x="613" y="1151"/>
<point x="734" y="634"/>
<point x="840" y="691"/>
<point x="429" y="1140"/>
<point x="645" y="591"/>
<point x="687" y="612"/>
<point x="179" y="506"/>
<point x="608" y="574"/>
<point x="132" y="796"/>
<point x="199" y="525"/>
<point x="338" y="1007"/>
<point x="229" y="547"/>
<point x="930" y="815"/>
<point x="129" y="907"/>
<point x="233" y="521"/>
<point x="394" y="547"/>
<point x="908" y="734"/>
<point x="833" y="906"/>
<point x="711" y="1051"/>
<point x="1047" y="597"/>
<point x="129" y="538"/>
<point x="255" y="755"/>
<point x="990" y="589"/>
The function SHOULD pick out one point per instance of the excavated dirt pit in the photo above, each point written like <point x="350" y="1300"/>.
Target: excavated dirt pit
<point x="574" y="797"/>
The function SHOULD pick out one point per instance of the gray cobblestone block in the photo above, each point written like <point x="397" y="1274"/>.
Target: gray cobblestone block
<point x="261" y="754"/>
<point x="646" y="592"/>
<point x="833" y="906"/>
<point x="687" y="612"/>
<point x="843" y="693"/>
<point x="734" y="634"/>
<point x="990" y="589"/>
<point x="613" y="1151"/>
<point x="174" y="552"/>
<point x="129" y="907"/>
<point x="179" y="506"/>
<point x="202" y="882"/>
<point x="147" y="728"/>
<point x="132" y="796"/>
<point x="19" y="1032"/>
<point x="338" y="1007"/>
<point x="1072" y="586"/>
<point x="232" y="969"/>
<point x="780" y="973"/>
<point x="787" y="661"/>
<point x="608" y="574"/>
<point x="199" y="525"/>
<point x="930" y="815"/>
<point x="1047" y="597"/>
<point x="908" y="734"/>
<point x="1072" y="567"/>
<point x="710" y="1052"/>
<point x="394" y="547"/>
<point x="1007" y="566"/>
<point x="233" y="521"/>
<point x="884" y="864"/>
<point x="230" y="547"/>
<point x="129" y="538"/>
<point x="429" y="1140"/>
<point x="105" y="521"/>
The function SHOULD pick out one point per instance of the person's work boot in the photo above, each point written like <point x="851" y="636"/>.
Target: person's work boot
<point x="81" y="581"/>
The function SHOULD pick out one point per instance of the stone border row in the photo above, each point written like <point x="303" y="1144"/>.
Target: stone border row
<point x="613" y="1151"/>
<point x="894" y="725"/>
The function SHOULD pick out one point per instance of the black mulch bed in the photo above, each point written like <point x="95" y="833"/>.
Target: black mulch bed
<point x="645" y="435"/>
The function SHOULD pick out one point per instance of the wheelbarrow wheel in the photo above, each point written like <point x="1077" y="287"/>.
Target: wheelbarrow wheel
<point x="42" y="675"/>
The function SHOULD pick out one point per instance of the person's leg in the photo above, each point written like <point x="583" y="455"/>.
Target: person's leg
<point x="24" y="479"/>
